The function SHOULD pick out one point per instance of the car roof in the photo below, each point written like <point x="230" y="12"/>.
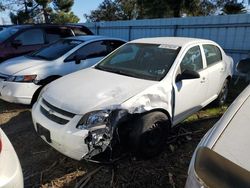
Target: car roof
<point x="92" y="37"/>
<point x="179" y="41"/>
<point x="72" y="26"/>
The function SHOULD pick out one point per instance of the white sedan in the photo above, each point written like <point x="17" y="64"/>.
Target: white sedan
<point x="10" y="170"/>
<point x="22" y="78"/>
<point x="135" y="95"/>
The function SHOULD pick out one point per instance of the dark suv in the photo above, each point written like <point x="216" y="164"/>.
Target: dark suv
<point x="22" y="39"/>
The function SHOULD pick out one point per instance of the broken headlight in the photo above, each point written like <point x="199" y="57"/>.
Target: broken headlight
<point x="93" y="119"/>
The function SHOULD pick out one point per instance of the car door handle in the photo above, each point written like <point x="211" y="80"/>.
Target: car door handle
<point x="203" y="79"/>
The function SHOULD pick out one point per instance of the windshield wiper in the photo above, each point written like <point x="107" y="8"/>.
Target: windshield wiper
<point x="117" y="71"/>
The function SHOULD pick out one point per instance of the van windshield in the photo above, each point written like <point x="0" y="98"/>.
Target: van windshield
<point x="145" y="61"/>
<point x="55" y="50"/>
<point x="6" y="33"/>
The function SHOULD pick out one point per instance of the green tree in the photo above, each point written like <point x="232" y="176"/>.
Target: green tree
<point x="233" y="8"/>
<point x="45" y="9"/>
<point x="37" y="11"/>
<point x="108" y="10"/>
<point x="153" y="9"/>
<point x="63" y="12"/>
<point x="63" y="5"/>
<point x="64" y="17"/>
<point x="199" y="7"/>
<point x="127" y="9"/>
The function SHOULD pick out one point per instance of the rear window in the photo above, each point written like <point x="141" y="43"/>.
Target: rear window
<point x="212" y="53"/>
<point x="82" y="30"/>
<point x="53" y="33"/>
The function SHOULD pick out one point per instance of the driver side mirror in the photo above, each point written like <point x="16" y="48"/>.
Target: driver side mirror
<point x="186" y="75"/>
<point x="16" y="43"/>
<point x="243" y="66"/>
<point x="78" y="58"/>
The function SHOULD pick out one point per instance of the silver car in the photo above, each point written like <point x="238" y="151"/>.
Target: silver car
<point x="221" y="159"/>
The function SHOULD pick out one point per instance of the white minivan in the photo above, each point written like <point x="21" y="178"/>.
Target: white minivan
<point x="134" y="95"/>
<point x="22" y="78"/>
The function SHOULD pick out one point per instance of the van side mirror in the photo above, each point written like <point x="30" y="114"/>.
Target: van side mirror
<point x="243" y="66"/>
<point x="78" y="58"/>
<point x="16" y="43"/>
<point x="186" y="75"/>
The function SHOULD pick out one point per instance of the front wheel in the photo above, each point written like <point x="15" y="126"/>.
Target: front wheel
<point x="148" y="134"/>
<point x="222" y="97"/>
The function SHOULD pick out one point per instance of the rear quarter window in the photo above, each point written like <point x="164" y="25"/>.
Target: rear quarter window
<point x="212" y="53"/>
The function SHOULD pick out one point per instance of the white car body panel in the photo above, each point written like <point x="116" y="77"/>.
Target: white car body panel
<point x="229" y="137"/>
<point x="19" y="92"/>
<point x="90" y="89"/>
<point x="113" y="89"/>
<point x="10" y="170"/>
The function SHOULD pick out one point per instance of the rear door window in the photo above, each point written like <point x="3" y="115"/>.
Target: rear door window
<point x="212" y="53"/>
<point x="31" y="37"/>
<point x="52" y="34"/>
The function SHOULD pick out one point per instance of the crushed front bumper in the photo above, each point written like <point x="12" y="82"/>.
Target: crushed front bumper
<point x="67" y="139"/>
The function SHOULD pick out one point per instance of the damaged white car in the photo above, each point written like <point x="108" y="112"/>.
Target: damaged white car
<point x="134" y="95"/>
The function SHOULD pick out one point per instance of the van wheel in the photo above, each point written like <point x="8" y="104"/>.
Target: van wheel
<point x="221" y="100"/>
<point x="149" y="133"/>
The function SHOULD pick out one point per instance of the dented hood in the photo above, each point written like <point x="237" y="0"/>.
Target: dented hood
<point x="15" y="65"/>
<point x="92" y="89"/>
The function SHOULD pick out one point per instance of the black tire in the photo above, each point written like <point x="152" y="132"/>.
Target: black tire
<point x="148" y="135"/>
<point x="222" y="97"/>
<point x="35" y="96"/>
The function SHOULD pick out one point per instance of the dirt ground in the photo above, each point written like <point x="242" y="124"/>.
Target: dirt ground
<point x="44" y="167"/>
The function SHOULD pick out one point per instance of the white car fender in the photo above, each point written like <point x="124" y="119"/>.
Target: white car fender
<point x="154" y="97"/>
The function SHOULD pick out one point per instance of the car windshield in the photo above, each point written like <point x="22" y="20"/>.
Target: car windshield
<point x="6" y="33"/>
<point x="145" y="61"/>
<point x="56" y="49"/>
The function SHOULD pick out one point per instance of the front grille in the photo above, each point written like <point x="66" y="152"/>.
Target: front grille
<point x="55" y="114"/>
<point x="52" y="117"/>
<point x="60" y="111"/>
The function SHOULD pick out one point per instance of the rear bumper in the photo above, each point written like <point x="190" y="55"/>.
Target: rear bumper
<point x="17" y="92"/>
<point x="10" y="170"/>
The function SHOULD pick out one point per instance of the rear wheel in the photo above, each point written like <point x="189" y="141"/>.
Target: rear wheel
<point x="149" y="133"/>
<point x="221" y="100"/>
